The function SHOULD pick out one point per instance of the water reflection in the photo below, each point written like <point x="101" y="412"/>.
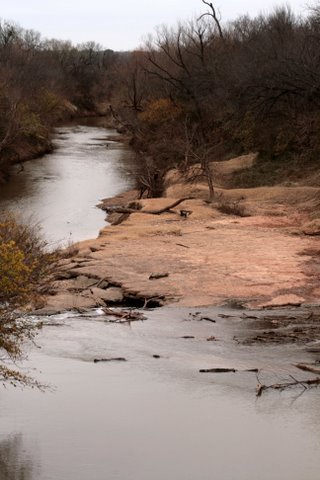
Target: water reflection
<point x="158" y="419"/>
<point x="14" y="464"/>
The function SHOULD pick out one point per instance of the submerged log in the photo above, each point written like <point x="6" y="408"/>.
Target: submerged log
<point x="282" y="386"/>
<point x="116" y="359"/>
<point x="226" y="370"/>
<point x="217" y="370"/>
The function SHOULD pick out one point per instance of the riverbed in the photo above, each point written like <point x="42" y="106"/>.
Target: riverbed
<point x="153" y="416"/>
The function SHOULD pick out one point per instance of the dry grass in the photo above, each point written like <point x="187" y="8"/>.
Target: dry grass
<point x="235" y="207"/>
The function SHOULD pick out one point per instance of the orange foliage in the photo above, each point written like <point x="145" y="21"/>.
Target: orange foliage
<point x="160" y="111"/>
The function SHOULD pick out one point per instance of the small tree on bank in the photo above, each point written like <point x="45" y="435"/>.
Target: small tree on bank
<point x="23" y="266"/>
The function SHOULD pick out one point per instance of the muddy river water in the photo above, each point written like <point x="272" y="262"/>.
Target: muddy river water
<point x="60" y="191"/>
<point x="153" y="416"/>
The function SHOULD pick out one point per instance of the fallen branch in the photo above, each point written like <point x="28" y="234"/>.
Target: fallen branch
<point x="149" y="212"/>
<point x="307" y="368"/>
<point x="117" y="359"/>
<point x="169" y="207"/>
<point x="217" y="370"/>
<point x="207" y="319"/>
<point x="123" y="316"/>
<point x="156" y="276"/>
<point x="156" y="299"/>
<point x="226" y="370"/>
<point x="282" y="386"/>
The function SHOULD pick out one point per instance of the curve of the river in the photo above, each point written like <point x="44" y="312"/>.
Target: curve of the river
<point x="60" y="191"/>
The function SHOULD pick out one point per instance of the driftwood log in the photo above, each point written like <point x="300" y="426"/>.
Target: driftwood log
<point x="116" y="359"/>
<point x="308" y="368"/>
<point x="217" y="370"/>
<point x="314" y="382"/>
<point x="181" y="245"/>
<point x="226" y="370"/>
<point x="116" y="209"/>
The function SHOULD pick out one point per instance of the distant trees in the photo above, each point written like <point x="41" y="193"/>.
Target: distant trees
<point x="24" y="84"/>
<point x="82" y="72"/>
<point x="42" y="82"/>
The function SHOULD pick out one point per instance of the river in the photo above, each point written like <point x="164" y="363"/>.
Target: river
<point x="147" y="418"/>
<point x="60" y="191"/>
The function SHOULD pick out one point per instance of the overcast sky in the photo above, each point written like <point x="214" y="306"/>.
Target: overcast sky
<point x="116" y="24"/>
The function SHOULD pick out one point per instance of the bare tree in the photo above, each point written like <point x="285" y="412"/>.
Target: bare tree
<point x="213" y="14"/>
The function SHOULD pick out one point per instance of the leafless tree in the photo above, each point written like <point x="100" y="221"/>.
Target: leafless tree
<point x="213" y="14"/>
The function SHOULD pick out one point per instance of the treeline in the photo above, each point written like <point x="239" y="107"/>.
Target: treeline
<point x="197" y="92"/>
<point x="43" y="82"/>
<point x="204" y="90"/>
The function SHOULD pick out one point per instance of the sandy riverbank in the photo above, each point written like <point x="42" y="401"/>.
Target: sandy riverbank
<point x="265" y="253"/>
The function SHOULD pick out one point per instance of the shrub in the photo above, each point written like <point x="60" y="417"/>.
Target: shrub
<point x="24" y="266"/>
<point x="233" y="208"/>
<point x="160" y="112"/>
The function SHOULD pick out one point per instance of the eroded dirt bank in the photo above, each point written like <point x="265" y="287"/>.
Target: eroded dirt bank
<point x="264" y="252"/>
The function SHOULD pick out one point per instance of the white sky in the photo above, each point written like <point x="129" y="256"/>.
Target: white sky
<point x="119" y="25"/>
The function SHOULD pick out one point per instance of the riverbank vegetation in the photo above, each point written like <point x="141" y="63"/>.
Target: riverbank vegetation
<point x="203" y="91"/>
<point x="24" y="265"/>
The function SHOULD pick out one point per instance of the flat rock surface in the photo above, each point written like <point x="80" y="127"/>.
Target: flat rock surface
<point x="110" y="295"/>
<point x="68" y="301"/>
<point x="210" y="257"/>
